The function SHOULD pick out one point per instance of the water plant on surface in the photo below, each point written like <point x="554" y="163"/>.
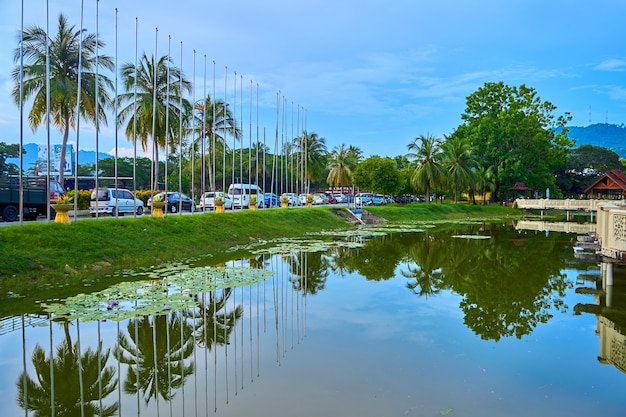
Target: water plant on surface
<point x="171" y="293"/>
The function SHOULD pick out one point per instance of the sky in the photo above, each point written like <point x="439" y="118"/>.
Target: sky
<point x="369" y="73"/>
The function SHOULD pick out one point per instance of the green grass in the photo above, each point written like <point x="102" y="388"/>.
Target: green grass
<point x="44" y="261"/>
<point x="433" y="212"/>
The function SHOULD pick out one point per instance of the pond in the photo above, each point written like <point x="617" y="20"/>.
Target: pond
<point x="465" y="320"/>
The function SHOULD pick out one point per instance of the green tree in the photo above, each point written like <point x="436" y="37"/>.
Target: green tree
<point x="8" y="151"/>
<point x="313" y="155"/>
<point x="584" y="165"/>
<point x="457" y="161"/>
<point x="340" y="174"/>
<point x="139" y="105"/>
<point x="214" y="123"/>
<point x="378" y="175"/>
<point x="428" y="173"/>
<point x="514" y="132"/>
<point x="66" y="66"/>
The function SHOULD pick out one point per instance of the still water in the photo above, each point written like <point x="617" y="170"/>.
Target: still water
<point x="409" y="323"/>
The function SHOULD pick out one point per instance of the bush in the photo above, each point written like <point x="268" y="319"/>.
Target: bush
<point x="83" y="198"/>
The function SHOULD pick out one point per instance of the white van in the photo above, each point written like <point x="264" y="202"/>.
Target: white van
<point x="240" y="194"/>
<point x="111" y="200"/>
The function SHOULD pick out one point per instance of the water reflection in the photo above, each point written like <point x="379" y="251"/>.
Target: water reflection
<point x="198" y="358"/>
<point x="156" y="359"/>
<point x="609" y="307"/>
<point x="84" y="382"/>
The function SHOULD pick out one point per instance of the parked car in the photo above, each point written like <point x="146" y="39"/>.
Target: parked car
<point x="114" y="201"/>
<point x="241" y="193"/>
<point x="208" y="200"/>
<point x="293" y="199"/>
<point x="175" y="202"/>
<point x="378" y="200"/>
<point x="339" y="198"/>
<point x="302" y="198"/>
<point x="363" y="199"/>
<point x="270" y="200"/>
<point x="319" y="199"/>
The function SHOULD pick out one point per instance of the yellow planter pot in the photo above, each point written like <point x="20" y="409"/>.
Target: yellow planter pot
<point x="309" y="204"/>
<point x="284" y="205"/>
<point x="219" y="208"/>
<point x="157" y="209"/>
<point x="62" y="213"/>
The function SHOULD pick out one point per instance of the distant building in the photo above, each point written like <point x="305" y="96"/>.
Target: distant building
<point x="611" y="185"/>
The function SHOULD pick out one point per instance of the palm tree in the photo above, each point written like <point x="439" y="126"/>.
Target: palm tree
<point x="339" y="165"/>
<point x="428" y="173"/>
<point x="64" y="73"/>
<point x="138" y="104"/>
<point x="483" y="182"/>
<point x="458" y="161"/>
<point x="313" y="153"/>
<point x="214" y="122"/>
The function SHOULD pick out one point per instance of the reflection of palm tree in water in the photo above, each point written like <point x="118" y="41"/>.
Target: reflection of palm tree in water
<point x="98" y="382"/>
<point x="154" y="367"/>
<point x="311" y="269"/>
<point x="215" y="324"/>
<point x="429" y="255"/>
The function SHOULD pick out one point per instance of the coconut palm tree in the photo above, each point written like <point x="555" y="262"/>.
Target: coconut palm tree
<point x="313" y="153"/>
<point x="428" y="173"/>
<point x="458" y="161"/>
<point x="339" y="162"/>
<point x="214" y="122"/>
<point x="64" y="73"/>
<point x="138" y="104"/>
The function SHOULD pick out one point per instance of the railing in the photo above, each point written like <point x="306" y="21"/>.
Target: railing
<point x="611" y="229"/>
<point x="569" y="204"/>
<point x="566" y="227"/>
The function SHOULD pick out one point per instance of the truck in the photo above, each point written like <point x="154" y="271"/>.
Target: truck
<point x="35" y="194"/>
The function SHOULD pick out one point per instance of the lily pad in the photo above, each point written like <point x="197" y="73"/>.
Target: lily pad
<point x="475" y="237"/>
<point x="171" y="293"/>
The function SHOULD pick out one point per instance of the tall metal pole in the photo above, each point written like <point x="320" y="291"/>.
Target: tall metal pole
<point x="80" y="71"/>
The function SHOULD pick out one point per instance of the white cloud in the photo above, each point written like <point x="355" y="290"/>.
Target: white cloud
<point x="613" y="64"/>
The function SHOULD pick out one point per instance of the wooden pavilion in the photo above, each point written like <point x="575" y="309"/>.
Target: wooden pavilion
<point x="611" y="185"/>
<point x="520" y="188"/>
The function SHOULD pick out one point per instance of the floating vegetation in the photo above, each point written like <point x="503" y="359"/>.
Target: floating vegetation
<point x="476" y="237"/>
<point x="306" y="246"/>
<point x="175" y="292"/>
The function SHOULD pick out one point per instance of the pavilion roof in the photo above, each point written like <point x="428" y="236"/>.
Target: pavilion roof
<point x="611" y="180"/>
<point x="519" y="186"/>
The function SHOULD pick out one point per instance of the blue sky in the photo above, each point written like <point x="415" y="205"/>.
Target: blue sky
<point x="369" y="73"/>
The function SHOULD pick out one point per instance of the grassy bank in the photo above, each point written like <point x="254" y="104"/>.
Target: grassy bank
<point x="42" y="260"/>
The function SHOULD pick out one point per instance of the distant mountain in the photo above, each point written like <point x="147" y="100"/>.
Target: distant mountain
<point x="607" y="135"/>
<point x="30" y="156"/>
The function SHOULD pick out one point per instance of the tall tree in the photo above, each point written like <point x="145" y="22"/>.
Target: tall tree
<point x="8" y="151"/>
<point x="64" y="73"/>
<point x="457" y="161"/>
<point x="340" y="174"/>
<point x="313" y="154"/>
<point x="214" y="123"/>
<point x="428" y="172"/>
<point x="139" y="105"/>
<point x="514" y="132"/>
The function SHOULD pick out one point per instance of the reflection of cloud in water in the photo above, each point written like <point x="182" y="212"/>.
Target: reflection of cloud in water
<point x="383" y="312"/>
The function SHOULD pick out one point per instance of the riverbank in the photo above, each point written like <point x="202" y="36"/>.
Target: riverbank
<point x="55" y="259"/>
